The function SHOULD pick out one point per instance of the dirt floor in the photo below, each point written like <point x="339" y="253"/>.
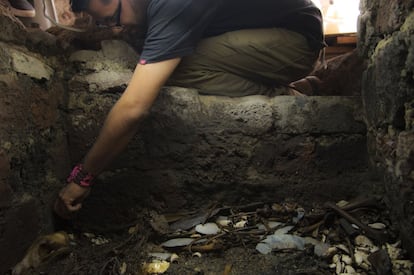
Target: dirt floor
<point x="141" y="246"/>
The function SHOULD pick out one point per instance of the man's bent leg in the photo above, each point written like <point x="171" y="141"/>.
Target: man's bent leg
<point x="246" y="62"/>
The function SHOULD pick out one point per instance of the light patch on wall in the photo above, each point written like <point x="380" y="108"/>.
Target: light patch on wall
<point x="340" y="16"/>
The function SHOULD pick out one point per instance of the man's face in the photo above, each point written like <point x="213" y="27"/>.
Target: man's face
<point x="107" y="14"/>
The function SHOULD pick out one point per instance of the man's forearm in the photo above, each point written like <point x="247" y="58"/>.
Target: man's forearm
<point x="119" y="128"/>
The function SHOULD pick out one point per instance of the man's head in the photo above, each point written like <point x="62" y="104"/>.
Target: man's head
<point x="112" y="12"/>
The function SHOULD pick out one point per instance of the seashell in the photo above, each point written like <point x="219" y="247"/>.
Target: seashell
<point x="331" y="251"/>
<point x="285" y="241"/>
<point x="402" y="266"/>
<point x="99" y="241"/>
<point x="195" y="236"/>
<point x="393" y="251"/>
<point x="355" y="226"/>
<point x="377" y="225"/>
<point x="89" y="235"/>
<point x="223" y="221"/>
<point x="123" y="268"/>
<point x="208" y="228"/>
<point x="174" y="258"/>
<point x="374" y="249"/>
<point x="349" y="269"/>
<point x="336" y="258"/>
<point x="346" y="259"/>
<point x="240" y="224"/>
<point x="197" y="254"/>
<point x="133" y="229"/>
<point x="343" y="248"/>
<point x="363" y="241"/>
<point x="177" y="242"/>
<point x="321" y="249"/>
<point x="365" y="266"/>
<point x="270" y="225"/>
<point x="360" y="257"/>
<point x="341" y="203"/>
<point x="273" y="224"/>
<point x="332" y="266"/>
<point x="363" y="249"/>
<point x="157" y="267"/>
<point x="277" y="207"/>
<point x="339" y="267"/>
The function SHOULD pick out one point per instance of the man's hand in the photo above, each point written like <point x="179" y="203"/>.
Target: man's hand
<point x="70" y="199"/>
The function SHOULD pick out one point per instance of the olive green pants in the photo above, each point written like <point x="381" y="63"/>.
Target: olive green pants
<point x="246" y="62"/>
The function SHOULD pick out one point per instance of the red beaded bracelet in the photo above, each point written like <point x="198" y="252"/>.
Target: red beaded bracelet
<point x="81" y="177"/>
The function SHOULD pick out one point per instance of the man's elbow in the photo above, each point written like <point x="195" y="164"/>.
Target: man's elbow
<point x="137" y="113"/>
<point x="133" y="113"/>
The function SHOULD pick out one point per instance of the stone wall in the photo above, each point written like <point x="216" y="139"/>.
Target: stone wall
<point x="386" y="35"/>
<point x="33" y="145"/>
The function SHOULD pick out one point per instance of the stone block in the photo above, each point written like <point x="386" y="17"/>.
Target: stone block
<point x="206" y="139"/>
<point x="22" y="61"/>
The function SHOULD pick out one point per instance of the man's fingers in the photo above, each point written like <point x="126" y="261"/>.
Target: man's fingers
<point x="72" y="208"/>
<point x="60" y="209"/>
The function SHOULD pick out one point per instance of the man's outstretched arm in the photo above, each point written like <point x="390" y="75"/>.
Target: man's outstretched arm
<point x="119" y="128"/>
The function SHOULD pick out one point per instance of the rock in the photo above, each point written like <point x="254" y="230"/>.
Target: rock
<point x="28" y="64"/>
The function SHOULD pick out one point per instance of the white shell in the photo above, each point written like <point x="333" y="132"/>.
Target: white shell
<point x="240" y="224"/>
<point x="365" y="266"/>
<point x="273" y="224"/>
<point x="346" y="259"/>
<point x="404" y="266"/>
<point x="177" y="242"/>
<point x="339" y="267"/>
<point x="208" y="228"/>
<point x="174" y="258"/>
<point x="336" y="258"/>
<point x="360" y="257"/>
<point x="363" y="241"/>
<point x="89" y="235"/>
<point x="223" y="221"/>
<point x="123" y="268"/>
<point x="343" y="248"/>
<point x="197" y="254"/>
<point x="377" y="225"/>
<point x="341" y="203"/>
<point x="349" y="269"/>
<point x="393" y="251"/>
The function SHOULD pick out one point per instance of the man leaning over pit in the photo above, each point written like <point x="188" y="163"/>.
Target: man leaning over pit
<point x="220" y="47"/>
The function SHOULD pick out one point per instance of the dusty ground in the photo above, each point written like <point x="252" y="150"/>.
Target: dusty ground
<point x="124" y="248"/>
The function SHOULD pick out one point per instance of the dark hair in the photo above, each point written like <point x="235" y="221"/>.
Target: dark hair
<point x="79" y="5"/>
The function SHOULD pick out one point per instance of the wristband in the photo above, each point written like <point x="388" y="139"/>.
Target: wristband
<point x="81" y="177"/>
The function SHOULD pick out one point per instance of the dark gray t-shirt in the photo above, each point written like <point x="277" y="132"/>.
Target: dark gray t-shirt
<point x="175" y="26"/>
